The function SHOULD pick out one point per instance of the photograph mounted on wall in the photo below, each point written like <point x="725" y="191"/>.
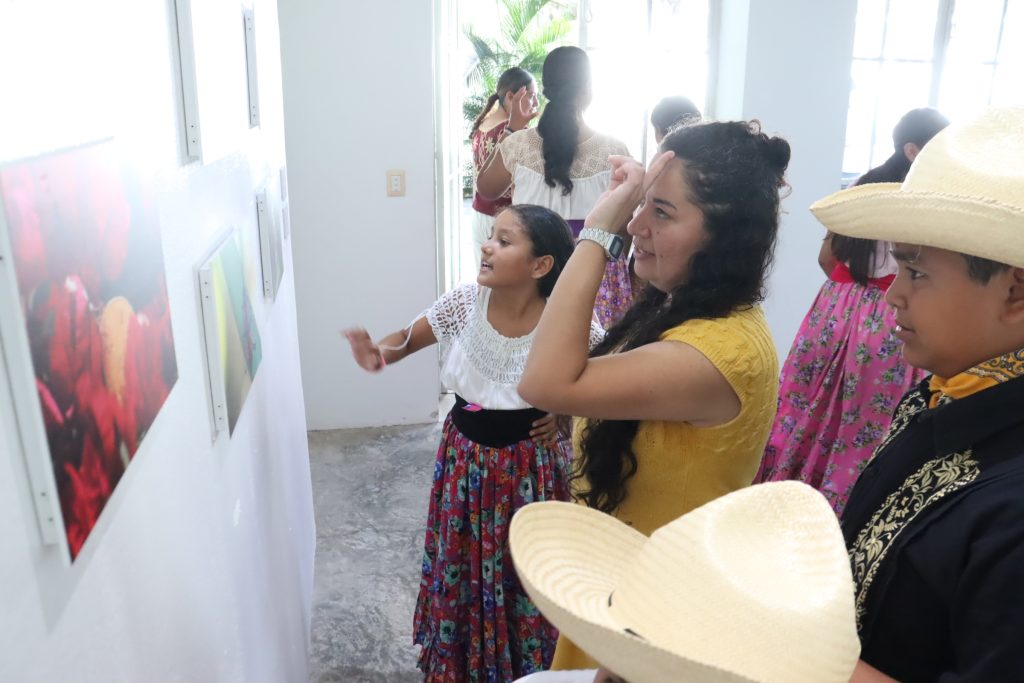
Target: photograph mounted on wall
<point x="233" y="347"/>
<point x="85" y="243"/>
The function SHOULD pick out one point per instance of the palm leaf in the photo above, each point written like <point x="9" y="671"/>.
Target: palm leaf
<point x="543" y="37"/>
<point x="483" y="49"/>
<point x="519" y="14"/>
<point x="529" y="29"/>
<point x="472" y="106"/>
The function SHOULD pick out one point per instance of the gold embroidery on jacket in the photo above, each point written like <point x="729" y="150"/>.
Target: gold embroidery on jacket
<point x="910" y="406"/>
<point x="934" y="481"/>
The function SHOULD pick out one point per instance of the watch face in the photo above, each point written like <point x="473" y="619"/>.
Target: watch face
<point x="615" y="247"/>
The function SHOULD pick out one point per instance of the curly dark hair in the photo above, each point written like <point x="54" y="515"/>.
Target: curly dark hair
<point x="734" y="173"/>
<point x="566" y="78"/>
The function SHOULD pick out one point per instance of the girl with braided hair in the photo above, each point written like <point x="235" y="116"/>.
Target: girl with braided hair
<point x="562" y="164"/>
<point x="514" y="86"/>
<point x="676" y="403"/>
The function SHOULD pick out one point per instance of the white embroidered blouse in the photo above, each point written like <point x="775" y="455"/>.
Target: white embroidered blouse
<point x="523" y="156"/>
<point x="477" y="362"/>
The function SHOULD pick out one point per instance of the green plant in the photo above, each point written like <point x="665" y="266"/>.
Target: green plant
<point x="528" y="30"/>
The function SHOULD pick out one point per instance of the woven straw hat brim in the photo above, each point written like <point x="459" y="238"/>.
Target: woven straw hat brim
<point x="967" y="225"/>
<point x="569" y="558"/>
<point x="753" y="586"/>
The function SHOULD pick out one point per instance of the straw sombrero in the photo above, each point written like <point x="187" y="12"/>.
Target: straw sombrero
<point x="964" y="193"/>
<point x="753" y="586"/>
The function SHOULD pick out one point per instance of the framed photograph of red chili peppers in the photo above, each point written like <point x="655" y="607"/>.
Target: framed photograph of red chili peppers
<point x="86" y="330"/>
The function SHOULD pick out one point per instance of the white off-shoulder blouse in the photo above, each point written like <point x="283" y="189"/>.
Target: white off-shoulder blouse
<point x="477" y="362"/>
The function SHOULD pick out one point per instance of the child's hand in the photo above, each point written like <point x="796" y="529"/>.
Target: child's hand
<point x="366" y="352"/>
<point x="545" y="430"/>
<point x="524" y="109"/>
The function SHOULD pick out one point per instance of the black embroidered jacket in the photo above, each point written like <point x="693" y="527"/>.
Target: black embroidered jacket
<point x="935" y="531"/>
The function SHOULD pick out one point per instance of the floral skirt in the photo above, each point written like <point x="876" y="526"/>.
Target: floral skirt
<point x="842" y="379"/>
<point x="473" y="619"/>
<point x="615" y="295"/>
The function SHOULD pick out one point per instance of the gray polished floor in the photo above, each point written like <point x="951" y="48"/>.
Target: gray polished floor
<point x="370" y="491"/>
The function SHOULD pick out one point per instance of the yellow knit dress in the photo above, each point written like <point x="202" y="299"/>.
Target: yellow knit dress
<point x="681" y="467"/>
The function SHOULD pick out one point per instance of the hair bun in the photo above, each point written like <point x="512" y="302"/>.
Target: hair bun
<point x="777" y="151"/>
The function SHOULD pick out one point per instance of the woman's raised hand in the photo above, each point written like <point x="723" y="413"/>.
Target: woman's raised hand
<point x="366" y="352"/>
<point x="629" y="183"/>
<point x="524" y="109"/>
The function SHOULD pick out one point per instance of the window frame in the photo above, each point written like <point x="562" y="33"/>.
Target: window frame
<point x="945" y="13"/>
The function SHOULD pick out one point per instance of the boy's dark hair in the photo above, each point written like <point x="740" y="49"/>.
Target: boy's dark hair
<point x="917" y="126"/>
<point x="981" y="270"/>
<point x="674" y="110"/>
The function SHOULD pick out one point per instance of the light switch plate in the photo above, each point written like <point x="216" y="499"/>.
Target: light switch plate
<point x="396" y="183"/>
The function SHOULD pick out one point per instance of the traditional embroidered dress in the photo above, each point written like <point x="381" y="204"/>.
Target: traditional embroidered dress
<point x="473" y="618"/>
<point x="844" y="375"/>
<point x="935" y="531"/>
<point x="523" y="156"/>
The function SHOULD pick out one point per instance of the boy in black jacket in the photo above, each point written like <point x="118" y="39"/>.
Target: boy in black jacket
<point x="935" y="524"/>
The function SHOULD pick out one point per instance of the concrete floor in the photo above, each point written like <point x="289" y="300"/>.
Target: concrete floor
<point x="370" y="492"/>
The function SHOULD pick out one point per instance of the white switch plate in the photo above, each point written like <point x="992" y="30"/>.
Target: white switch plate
<point x="396" y="183"/>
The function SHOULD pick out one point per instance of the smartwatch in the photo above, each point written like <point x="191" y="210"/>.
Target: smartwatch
<point x="612" y="244"/>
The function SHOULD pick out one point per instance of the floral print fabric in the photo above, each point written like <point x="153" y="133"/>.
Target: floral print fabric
<point x="473" y="619"/>
<point x="615" y="295"/>
<point x="844" y="376"/>
<point x="618" y="286"/>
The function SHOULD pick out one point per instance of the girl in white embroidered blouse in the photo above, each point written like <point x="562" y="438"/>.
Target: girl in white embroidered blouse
<point x="497" y="454"/>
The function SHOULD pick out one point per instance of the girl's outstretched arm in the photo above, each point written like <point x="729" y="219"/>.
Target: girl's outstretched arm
<point x="373" y="356"/>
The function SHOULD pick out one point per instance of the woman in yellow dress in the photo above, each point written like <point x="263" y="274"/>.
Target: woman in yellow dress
<point x="677" y="402"/>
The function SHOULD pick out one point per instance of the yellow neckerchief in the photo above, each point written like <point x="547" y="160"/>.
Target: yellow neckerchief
<point x="980" y="377"/>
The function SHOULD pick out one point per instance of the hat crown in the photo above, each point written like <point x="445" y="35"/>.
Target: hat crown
<point x="753" y="586"/>
<point x="964" y="193"/>
<point x="767" y="567"/>
<point x="982" y="159"/>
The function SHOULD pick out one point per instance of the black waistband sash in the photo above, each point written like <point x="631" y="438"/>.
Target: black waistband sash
<point x="494" y="428"/>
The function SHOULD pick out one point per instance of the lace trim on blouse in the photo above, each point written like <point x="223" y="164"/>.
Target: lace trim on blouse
<point x="526" y="148"/>
<point x="460" y="317"/>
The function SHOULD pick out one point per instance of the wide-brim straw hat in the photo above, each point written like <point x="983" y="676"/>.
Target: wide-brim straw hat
<point x="964" y="193"/>
<point x="753" y="586"/>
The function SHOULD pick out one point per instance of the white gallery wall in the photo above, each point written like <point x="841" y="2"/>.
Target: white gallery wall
<point x="359" y="101"/>
<point x="200" y="566"/>
<point x="359" y="106"/>
<point x="787" y="64"/>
